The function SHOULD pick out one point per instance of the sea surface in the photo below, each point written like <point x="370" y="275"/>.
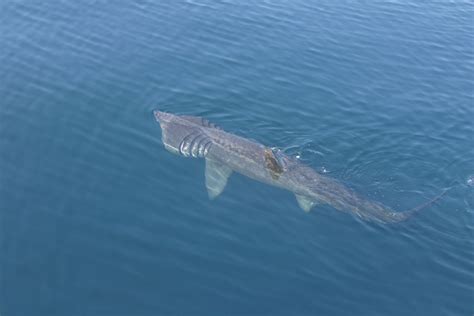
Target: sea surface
<point x="97" y="218"/>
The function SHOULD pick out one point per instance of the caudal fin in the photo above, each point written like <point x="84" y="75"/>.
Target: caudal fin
<point x="402" y="216"/>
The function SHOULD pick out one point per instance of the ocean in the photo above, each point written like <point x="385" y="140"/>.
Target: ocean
<point x="98" y="219"/>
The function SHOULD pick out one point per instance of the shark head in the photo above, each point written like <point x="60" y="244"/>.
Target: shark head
<point x="173" y="130"/>
<point x="181" y="134"/>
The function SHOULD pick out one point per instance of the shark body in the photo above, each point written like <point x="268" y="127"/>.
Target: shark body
<point x="224" y="153"/>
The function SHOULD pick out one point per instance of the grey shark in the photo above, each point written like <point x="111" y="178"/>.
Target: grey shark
<point x="224" y="153"/>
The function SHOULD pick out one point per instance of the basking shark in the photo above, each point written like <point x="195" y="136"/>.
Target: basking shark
<point x="224" y="153"/>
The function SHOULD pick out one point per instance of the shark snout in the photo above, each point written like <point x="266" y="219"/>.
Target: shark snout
<point x="162" y="117"/>
<point x="158" y="115"/>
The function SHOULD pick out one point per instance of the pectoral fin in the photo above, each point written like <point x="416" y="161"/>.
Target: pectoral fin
<point x="305" y="202"/>
<point x="216" y="177"/>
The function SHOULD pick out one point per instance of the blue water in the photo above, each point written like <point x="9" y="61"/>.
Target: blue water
<point x="97" y="218"/>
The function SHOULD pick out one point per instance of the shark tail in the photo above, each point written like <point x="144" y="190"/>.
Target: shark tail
<point x="403" y="216"/>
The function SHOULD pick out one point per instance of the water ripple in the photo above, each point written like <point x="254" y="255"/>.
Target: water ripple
<point x="96" y="217"/>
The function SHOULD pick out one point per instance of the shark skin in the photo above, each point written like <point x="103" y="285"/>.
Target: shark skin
<point x="191" y="136"/>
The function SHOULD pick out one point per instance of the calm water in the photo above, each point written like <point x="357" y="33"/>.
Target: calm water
<point x="96" y="218"/>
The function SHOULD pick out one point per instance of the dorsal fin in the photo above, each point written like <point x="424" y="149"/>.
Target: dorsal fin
<point x="280" y="157"/>
<point x="272" y="164"/>
<point x="199" y="121"/>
